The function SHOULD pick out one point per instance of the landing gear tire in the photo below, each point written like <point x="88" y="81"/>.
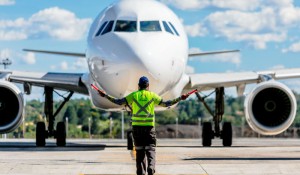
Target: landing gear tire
<point x="129" y="140"/>
<point x="61" y="134"/>
<point x="207" y="134"/>
<point x="40" y="134"/>
<point x="227" y="134"/>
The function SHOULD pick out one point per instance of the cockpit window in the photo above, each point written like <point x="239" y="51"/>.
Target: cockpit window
<point x="167" y="28"/>
<point x="150" y="26"/>
<point x="108" y="27"/>
<point x="125" y="26"/>
<point x="101" y="28"/>
<point x="174" y="28"/>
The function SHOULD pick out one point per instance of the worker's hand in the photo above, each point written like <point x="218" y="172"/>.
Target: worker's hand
<point x="184" y="96"/>
<point x="102" y="93"/>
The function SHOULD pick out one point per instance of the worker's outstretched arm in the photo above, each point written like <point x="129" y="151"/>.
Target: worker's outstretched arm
<point x="117" y="101"/>
<point x="121" y="101"/>
<point x="173" y="102"/>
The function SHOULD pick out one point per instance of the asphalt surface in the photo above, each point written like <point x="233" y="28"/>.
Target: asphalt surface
<point x="180" y="156"/>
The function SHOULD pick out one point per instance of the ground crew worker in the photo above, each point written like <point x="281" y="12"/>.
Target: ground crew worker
<point x="143" y="120"/>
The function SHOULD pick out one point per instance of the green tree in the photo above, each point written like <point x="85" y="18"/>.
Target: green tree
<point x="71" y="115"/>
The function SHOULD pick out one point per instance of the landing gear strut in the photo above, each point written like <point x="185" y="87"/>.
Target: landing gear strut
<point x="42" y="133"/>
<point x="207" y="130"/>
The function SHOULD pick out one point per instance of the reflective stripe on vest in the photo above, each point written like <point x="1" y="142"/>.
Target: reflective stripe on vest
<point x="139" y="119"/>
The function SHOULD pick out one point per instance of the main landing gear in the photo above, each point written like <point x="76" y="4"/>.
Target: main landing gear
<point x="207" y="129"/>
<point x="42" y="132"/>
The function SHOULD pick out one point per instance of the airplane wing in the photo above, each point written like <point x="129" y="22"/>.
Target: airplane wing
<point x="56" y="53"/>
<point x="60" y="81"/>
<point x="83" y="54"/>
<point x="211" y="53"/>
<point x="210" y="81"/>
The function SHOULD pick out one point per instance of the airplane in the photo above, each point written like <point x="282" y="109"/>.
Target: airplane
<point x="134" y="38"/>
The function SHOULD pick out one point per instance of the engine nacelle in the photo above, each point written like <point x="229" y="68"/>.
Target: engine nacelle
<point x="11" y="107"/>
<point x="270" y="108"/>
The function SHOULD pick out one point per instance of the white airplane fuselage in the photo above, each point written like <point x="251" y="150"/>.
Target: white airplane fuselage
<point x="134" y="38"/>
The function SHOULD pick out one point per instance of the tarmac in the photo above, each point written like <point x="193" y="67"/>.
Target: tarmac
<point x="174" y="156"/>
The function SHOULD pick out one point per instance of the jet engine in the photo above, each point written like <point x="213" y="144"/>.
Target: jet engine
<point x="270" y="108"/>
<point x="11" y="107"/>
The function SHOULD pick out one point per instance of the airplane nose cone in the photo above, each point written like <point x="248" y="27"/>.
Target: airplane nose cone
<point x="163" y="67"/>
<point x="148" y="56"/>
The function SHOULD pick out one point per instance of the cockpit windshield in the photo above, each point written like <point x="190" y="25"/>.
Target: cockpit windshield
<point x="125" y="26"/>
<point x="131" y="26"/>
<point x="150" y="26"/>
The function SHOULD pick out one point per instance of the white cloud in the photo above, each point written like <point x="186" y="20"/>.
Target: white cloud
<point x="255" y="28"/>
<point x="243" y="5"/>
<point x="238" y="5"/>
<point x="224" y="4"/>
<point x="15" y="56"/>
<point x="190" y="4"/>
<point x="53" y="67"/>
<point x="195" y="30"/>
<point x="293" y="48"/>
<point x="5" y="53"/>
<point x="12" y="35"/>
<point x="189" y="69"/>
<point x="290" y="16"/>
<point x="278" y="67"/>
<point x="254" y="22"/>
<point x="7" y="2"/>
<point x="278" y="3"/>
<point x="234" y="58"/>
<point x="81" y="63"/>
<point x="224" y="58"/>
<point x="64" y="65"/>
<point x="29" y="58"/>
<point x="194" y="50"/>
<point x="52" y="22"/>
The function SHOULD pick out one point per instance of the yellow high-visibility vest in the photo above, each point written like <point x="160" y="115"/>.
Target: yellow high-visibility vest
<point x="143" y="103"/>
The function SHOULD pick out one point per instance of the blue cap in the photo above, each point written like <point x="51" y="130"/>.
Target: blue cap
<point x="143" y="81"/>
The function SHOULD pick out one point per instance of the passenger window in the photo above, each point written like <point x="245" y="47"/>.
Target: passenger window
<point x="150" y="26"/>
<point x="125" y="26"/>
<point x="108" y="27"/>
<point x="174" y="29"/>
<point x="101" y="28"/>
<point x="167" y="28"/>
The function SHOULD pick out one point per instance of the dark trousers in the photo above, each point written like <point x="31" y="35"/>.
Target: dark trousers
<point x="145" y="143"/>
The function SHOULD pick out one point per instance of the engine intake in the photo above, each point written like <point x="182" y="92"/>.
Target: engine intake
<point x="11" y="107"/>
<point x="270" y="108"/>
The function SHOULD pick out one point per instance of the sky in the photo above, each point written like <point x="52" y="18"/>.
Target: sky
<point x="265" y="32"/>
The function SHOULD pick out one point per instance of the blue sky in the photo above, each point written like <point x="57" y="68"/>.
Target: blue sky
<point x="266" y="32"/>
